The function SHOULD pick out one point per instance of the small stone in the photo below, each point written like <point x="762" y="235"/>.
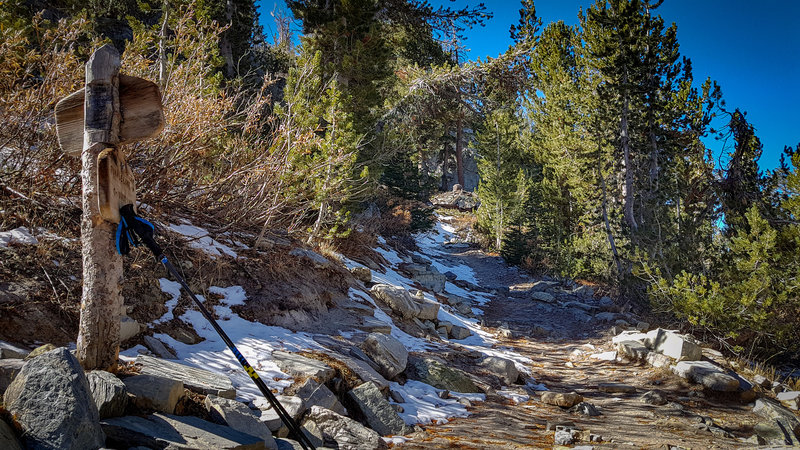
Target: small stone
<point x="707" y="374"/>
<point x="11" y="351"/>
<point x="128" y="328"/>
<point x="387" y="352"/>
<point x="543" y="296"/>
<point x="151" y="392"/>
<point x="459" y="332"/>
<point x="642" y="326"/>
<point x="362" y="274"/>
<point x="299" y="366"/>
<point x="564" y="400"/>
<point x="396" y="396"/>
<point x="239" y="417"/>
<point x="158" y="348"/>
<point x="658" y="360"/>
<point x="790" y="399"/>
<point x="585" y="409"/>
<point x="42" y="349"/>
<point x="379" y="414"/>
<point x="109" y="393"/>
<point x="653" y="398"/>
<point x="563" y="437"/>
<point x="616" y="388"/>
<point x="313" y="393"/>
<point x="9" y="368"/>
<point x="634" y="350"/>
<point x="761" y="380"/>
<point x="465" y="401"/>
<point x="502" y="367"/>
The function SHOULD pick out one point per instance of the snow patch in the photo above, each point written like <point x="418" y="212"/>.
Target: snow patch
<point x="19" y="235"/>
<point x="424" y="406"/>
<point x="200" y="239"/>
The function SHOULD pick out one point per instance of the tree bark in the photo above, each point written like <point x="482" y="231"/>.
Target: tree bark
<point x="630" y="218"/>
<point x="609" y="233"/>
<point x="460" y="149"/>
<point x="98" y="335"/>
<point x="225" y="46"/>
<point x="162" y="47"/>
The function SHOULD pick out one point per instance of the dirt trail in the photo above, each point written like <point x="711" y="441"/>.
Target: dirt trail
<point x="560" y="340"/>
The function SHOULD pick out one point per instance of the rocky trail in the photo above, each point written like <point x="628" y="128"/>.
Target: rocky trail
<point x="443" y="346"/>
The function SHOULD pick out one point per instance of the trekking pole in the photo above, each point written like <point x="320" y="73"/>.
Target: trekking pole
<point x="133" y="230"/>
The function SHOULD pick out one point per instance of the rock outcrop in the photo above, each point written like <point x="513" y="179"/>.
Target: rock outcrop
<point x="51" y="400"/>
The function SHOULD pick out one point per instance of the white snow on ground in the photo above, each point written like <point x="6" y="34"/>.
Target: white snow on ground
<point x="605" y="356"/>
<point x="173" y="289"/>
<point x="424" y="406"/>
<point x="199" y="238"/>
<point x="515" y="397"/>
<point x="20" y="236"/>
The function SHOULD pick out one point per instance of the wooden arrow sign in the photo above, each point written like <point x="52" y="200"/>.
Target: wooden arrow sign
<point x="115" y="184"/>
<point x="140" y="108"/>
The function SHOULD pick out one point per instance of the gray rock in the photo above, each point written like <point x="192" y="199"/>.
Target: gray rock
<point x="397" y="397"/>
<point x="313" y="393"/>
<point x="151" y="392"/>
<point x="362" y="369"/>
<point x="313" y="433"/>
<point x="194" y="379"/>
<point x="502" y="367"/>
<point x="775" y="432"/>
<point x="543" y="296"/>
<point x="109" y="393"/>
<point x="582" y="306"/>
<point x="459" y="332"/>
<point x="379" y="414"/>
<point x="287" y="444"/>
<point x="707" y="374"/>
<point x="653" y="398"/>
<point x="658" y="360"/>
<point x="128" y="328"/>
<point x="165" y="431"/>
<point x="356" y="307"/>
<point x="158" y="348"/>
<point x="642" y="326"/>
<point x="319" y="261"/>
<point x="374" y="325"/>
<point x="562" y="399"/>
<point x="607" y="316"/>
<point x="585" y="409"/>
<point x="790" y="399"/>
<point x="440" y="375"/>
<point x="239" y="417"/>
<point x="761" y="380"/>
<point x="294" y="406"/>
<point x="9" y="368"/>
<point x="8" y="440"/>
<point x="432" y="280"/>
<point x="464" y="308"/>
<point x="674" y="345"/>
<point x="605" y="302"/>
<point x="634" y="350"/>
<point x="777" y="413"/>
<point x="387" y="352"/>
<point x="51" y="400"/>
<point x="615" y="388"/>
<point x="298" y="366"/>
<point x="428" y="310"/>
<point x="362" y="274"/>
<point x="11" y="351"/>
<point x="397" y="298"/>
<point x="563" y="437"/>
<point x="346" y="433"/>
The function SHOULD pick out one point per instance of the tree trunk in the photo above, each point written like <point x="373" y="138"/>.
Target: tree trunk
<point x="225" y="47"/>
<point x="609" y="233"/>
<point x="98" y="335"/>
<point x="445" y="156"/>
<point x="460" y="150"/>
<point x="630" y="218"/>
<point x="162" y="48"/>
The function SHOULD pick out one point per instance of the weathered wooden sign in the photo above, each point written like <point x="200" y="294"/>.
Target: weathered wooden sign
<point x="142" y="115"/>
<point x="115" y="185"/>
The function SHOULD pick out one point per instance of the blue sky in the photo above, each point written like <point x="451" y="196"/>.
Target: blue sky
<point x="752" y="49"/>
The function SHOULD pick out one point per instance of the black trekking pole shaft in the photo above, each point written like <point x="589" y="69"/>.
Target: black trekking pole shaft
<point x="282" y="413"/>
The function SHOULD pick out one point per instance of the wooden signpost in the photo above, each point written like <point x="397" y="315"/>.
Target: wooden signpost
<point x="112" y="109"/>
